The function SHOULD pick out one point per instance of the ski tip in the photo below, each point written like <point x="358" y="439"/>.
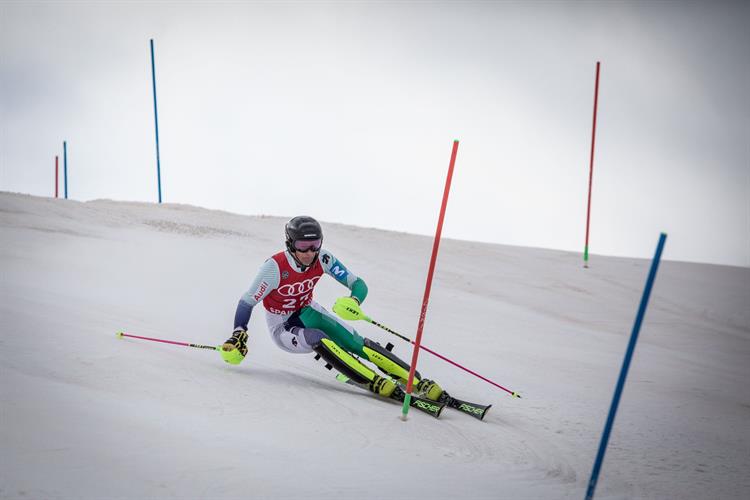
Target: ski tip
<point x="484" y="413"/>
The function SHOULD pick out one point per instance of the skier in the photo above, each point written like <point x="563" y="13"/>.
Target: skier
<point x="298" y="324"/>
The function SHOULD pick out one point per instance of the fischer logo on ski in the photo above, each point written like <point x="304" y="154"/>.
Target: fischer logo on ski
<point x="470" y="409"/>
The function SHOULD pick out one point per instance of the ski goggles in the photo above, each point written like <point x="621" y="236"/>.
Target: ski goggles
<point x="305" y="246"/>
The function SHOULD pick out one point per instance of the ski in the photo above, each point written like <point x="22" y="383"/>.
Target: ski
<point x="433" y="408"/>
<point x="474" y="409"/>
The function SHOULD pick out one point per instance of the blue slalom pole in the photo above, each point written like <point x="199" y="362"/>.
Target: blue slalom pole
<point x="624" y="370"/>
<point x="156" y="119"/>
<point x="65" y="166"/>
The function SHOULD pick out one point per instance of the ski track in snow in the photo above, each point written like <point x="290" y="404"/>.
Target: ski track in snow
<point x="87" y="415"/>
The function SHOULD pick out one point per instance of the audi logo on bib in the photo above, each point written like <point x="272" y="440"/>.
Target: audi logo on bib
<point x="296" y="289"/>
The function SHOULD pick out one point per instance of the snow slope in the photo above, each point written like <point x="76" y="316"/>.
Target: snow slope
<point x="88" y="416"/>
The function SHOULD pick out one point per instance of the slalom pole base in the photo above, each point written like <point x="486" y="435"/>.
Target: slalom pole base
<point x="405" y="407"/>
<point x="118" y="335"/>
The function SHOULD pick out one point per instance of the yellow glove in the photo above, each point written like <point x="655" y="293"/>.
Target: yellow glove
<point x="348" y="308"/>
<point x="234" y="349"/>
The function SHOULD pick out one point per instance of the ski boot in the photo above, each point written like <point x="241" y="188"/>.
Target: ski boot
<point x="430" y="389"/>
<point x="382" y="386"/>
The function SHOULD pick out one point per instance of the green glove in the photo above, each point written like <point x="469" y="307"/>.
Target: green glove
<point x="348" y="308"/>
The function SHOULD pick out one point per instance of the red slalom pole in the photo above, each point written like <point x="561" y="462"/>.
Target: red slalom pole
<point x="428" y="285"/>
<point x="56" y="175"/>
<point x="186" y="344"/>
<point x="591" y="168"/>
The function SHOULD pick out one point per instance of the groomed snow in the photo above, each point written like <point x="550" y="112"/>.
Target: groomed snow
<point x="86" y="415"/>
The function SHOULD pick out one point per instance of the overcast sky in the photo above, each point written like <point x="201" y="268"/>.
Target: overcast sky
<point x="347" y="111"/>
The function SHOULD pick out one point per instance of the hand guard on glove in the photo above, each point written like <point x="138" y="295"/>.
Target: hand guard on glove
<point x="234" y="349"/>
<point x="348" y="308"/>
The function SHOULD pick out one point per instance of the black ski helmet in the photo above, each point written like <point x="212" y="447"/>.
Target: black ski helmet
<point x="300" y="228"/>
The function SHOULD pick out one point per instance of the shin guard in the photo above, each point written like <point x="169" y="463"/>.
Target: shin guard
<point x="388" y="362"/>
<point x="392" y="365"/>
<point x="344" y="362"/>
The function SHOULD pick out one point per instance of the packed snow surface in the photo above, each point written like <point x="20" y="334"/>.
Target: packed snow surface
<point x="86" y="415"/>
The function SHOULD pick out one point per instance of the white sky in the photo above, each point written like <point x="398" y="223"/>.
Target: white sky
<point x="347" y="111"/>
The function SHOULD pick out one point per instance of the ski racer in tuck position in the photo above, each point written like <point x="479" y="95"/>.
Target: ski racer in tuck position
<point x="284" y="285"/>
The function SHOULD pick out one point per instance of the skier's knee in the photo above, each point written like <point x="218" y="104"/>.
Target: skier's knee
<point x="313" y="336"/>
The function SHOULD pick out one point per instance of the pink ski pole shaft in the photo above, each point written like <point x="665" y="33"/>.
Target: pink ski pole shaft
<point x="512" y="393"/>
<point x="186" y="344"/>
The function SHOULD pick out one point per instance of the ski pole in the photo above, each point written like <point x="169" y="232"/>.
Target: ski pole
<point x="370" y="320"/>
<point x="186" y="344"/>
